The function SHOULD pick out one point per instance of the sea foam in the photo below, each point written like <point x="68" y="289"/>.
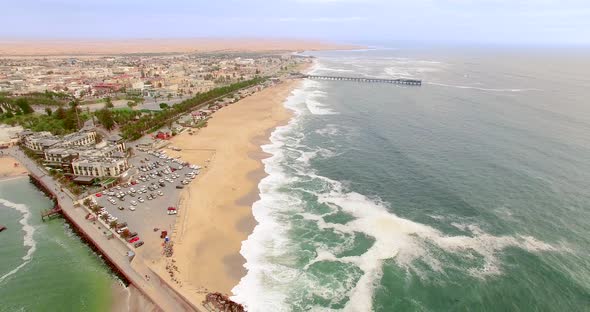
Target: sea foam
<point x="28" y="239"/>
<point x="271" y="277"/>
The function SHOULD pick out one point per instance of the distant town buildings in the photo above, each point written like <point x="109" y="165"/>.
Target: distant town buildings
<point x="91" y="78"/>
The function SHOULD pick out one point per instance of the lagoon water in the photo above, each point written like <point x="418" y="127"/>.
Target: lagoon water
<point x="469" y="193"/>
<point x="44" y="266"/>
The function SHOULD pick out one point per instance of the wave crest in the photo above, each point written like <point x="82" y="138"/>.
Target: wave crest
<point x="28" y="240"/>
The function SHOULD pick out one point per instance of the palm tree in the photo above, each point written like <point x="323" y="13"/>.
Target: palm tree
<point x="113" y="224"/>
<point x="74" y="105"/>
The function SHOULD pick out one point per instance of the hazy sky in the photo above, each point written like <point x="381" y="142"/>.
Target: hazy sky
<point x="495" y="21"/>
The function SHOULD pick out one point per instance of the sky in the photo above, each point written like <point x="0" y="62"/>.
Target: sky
<point x="346" y="21"/>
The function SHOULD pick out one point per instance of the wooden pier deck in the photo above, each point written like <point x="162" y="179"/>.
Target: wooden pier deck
<point x="402" y="81"/>
<point x="55" y="211"/>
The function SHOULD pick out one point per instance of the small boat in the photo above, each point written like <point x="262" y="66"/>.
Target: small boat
<point x="2" y="228"/>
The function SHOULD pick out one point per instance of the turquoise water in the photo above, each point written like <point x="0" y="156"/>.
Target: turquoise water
<point x="470" y="193"/>
<point x="43" y="265"/>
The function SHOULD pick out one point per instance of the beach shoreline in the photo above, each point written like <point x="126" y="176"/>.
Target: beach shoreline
<point x="215" y="212"/>
<point x="11" y="168"/>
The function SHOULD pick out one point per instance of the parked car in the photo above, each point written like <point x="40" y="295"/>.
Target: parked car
<point x="134" y="203"/>
<point x="120" y="208"/>
<point x="132" y="239"/>
<point x="131" y="235"/>
<point x="120" y="230"/>
<point x="132" y="208"/>
<point x="141" y="200"/>
<point x="138" y="244"/>
<point x="179" y="187"/>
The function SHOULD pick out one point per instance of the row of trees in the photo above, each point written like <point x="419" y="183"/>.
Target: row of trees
<point x="63" y="120"/>
<point x="9" y="107"/>
<point x="152" y="122"/>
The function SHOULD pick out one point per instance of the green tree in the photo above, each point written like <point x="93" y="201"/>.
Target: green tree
<point x="105" y="117"/>
<point x="48" y="111"/>
<point x="109" y="102"/>
<point x="87" y="202"/>
<point x="60" y="113"/>
<point x="24" y="106"/>
<point x="113" y="224"/>
<point x="164" y="106"/>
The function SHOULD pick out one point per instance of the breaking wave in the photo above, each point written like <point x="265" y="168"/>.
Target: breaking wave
<point x="28" y="239"/>
<point x="278" y="279"/>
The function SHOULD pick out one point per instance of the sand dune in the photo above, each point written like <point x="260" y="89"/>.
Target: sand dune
<point x="105" y="47"/>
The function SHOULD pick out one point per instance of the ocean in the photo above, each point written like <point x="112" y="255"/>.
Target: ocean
<point x="469" y="193"/>
<point x="44" y="266"/>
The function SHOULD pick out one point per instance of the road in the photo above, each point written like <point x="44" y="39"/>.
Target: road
<point x="163" y="296"/>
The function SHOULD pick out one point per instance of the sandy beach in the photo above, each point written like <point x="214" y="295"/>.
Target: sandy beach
<point x="215" y="213"/>
<point x="10" y="167"/>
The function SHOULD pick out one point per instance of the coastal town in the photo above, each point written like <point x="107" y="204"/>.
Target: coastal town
<point x="116" y="157"/>
<point x="164" y="77"/>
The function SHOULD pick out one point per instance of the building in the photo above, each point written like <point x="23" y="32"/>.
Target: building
<point x="41" y="141"/>
<point x="81" y="138"/>
<point x="78" y="154"/>
<point x="38" y="142"/>
<point x="100" y="166"/>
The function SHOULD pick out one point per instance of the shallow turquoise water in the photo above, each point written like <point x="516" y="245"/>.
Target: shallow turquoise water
<point x="61" y="274"/>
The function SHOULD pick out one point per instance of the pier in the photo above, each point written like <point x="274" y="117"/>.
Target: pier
<point x="401" y="81"/>
<point x="48" y="213"/>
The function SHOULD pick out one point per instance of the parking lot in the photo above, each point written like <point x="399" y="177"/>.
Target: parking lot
<point x="144" y="202"/>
